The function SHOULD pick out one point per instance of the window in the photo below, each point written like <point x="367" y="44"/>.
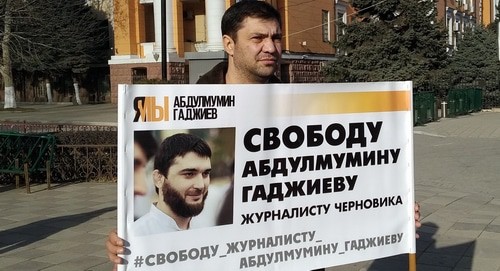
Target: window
<point x="325" y="25"/>
<point x="341" y="17"/>
<point x="139" y="74"/>
<point x="149" y="23"/>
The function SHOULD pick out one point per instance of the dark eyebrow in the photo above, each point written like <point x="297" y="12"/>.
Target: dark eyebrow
<point x="184" y="170"/>
<point x="193" y="170"/>
<point x="258" y="34"/>
<point x="277" y="36"/>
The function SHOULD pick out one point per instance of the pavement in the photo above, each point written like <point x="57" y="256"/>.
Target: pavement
<point x="457" y="183"/>
<point x="91" y="114"/>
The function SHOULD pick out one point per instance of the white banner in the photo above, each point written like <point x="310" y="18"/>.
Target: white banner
<point x="322" y="176"/>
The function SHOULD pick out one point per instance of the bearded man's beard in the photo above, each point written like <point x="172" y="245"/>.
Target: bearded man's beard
<point x="178" y="204"/>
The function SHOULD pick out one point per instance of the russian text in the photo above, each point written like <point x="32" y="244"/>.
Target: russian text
<point x="293" y="137"/>
<point x="285" y="214"/>
<point x="282" y="190"/>
<point x="285" y="166"/>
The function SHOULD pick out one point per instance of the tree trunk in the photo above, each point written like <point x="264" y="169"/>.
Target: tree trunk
<point x="6" y="68"/>
<point x="49" y="91"/>
<point x="77" y="91"/>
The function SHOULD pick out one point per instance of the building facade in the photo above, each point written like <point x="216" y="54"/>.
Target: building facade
<point x="194" y="39"/>
<point x="194" y="44"/>
<point x="462" y="15"/>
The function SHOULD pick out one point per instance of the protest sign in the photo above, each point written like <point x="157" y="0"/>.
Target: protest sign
<point x="303" y="175"/>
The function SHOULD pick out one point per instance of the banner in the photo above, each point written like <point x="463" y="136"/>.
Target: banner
<point x="301" y="176"/>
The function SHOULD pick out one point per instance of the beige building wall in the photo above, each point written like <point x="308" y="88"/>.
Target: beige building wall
<point x="127" y="21"/>
<point x="488" y="11"/>
<point x="194" y="28"/>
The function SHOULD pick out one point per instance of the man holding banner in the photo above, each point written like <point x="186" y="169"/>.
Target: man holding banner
<point x="252" y="39"/>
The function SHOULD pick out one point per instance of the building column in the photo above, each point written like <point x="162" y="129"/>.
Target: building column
<point x="214" y="9"/>
<point x="169" y="25"/>
<point x="449" y="24"/>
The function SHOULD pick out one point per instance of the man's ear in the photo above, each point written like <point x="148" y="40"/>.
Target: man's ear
<point x="228" y="43"/>
<point x="158" y="179"/>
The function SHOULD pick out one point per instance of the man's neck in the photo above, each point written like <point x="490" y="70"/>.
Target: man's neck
<point x="232" y="78"/>
<point x="182" y="222"/>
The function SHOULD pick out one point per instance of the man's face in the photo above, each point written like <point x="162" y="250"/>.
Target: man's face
<point x="140" y="162"/>
<point x="256" y="50"/>
<point x="142" y="189"/>
<point x="186" y="186"/>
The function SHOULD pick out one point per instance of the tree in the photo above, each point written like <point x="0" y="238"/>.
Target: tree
<point x="6" y="66"/>
<point x="476" y="58"/>
<point x="476" y="64"/>
<point x="50" y="36"/>
<point x="390" y="40"/>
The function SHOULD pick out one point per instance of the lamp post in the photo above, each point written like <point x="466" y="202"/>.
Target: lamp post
<point x="163" y="40"/>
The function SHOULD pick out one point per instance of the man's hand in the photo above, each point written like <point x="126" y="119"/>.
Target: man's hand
<point x="417" y="218"/>
<point x="114" y="246"/>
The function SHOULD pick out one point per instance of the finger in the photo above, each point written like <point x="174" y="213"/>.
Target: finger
<point x="418" y="224"/>
<point x="417" y="212"/>
<point x="417" y="219"/>
<point x="113" y="252"/>
<point x="114" y="246"/>
<point x="114" y="259"/>
<point x="114" y="239"/>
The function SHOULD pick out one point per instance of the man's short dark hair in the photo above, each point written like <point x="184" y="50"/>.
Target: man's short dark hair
<point x="179" y="145"/>
<point x="147" y="142"/>
<point x="237" y="13"/>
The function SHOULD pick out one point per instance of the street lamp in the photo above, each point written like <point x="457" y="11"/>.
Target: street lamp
<point x="163" y="40"/>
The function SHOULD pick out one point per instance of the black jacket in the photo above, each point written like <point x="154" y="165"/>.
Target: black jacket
<point x="217" y="75"/>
